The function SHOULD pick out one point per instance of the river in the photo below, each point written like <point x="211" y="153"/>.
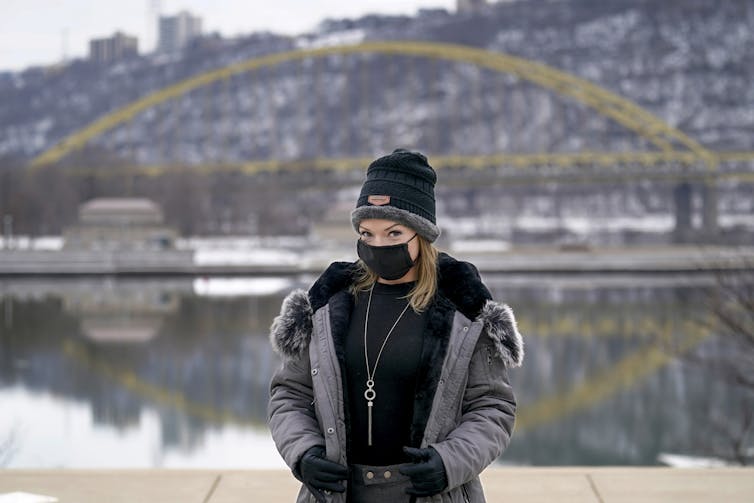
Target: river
<point x="173" y="372"/>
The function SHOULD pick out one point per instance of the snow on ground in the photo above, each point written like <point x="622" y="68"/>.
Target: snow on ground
<point x="586" y="225"/>
<point x="479" y="245"/>
<point x="344" y="37"/>
<point x="243" y="250"/>
<point x="245" y="257"/>
<point x="51" y="243"/>
<point x="239" y="242"/>
<point x="683" y="461"/>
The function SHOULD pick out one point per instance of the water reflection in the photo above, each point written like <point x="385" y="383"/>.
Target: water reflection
<point x="176" y="370"/>
<point x="123" y="313"/>
<point x="124" y="346"/>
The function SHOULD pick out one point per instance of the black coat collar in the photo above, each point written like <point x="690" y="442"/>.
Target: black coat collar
<point x="459" y="288"/>
<point x="457" y="281"/>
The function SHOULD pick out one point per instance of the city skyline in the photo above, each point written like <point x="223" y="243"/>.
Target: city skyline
<point x="45" y="32"/>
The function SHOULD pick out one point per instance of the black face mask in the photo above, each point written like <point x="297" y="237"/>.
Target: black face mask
<point x="388" y="262"/>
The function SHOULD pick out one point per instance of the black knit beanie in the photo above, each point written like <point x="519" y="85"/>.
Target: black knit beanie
<point x="400" y="187"/>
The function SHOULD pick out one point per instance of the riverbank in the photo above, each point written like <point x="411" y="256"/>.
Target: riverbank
<point x="285" y="262"/>
<point x="522" y="485"/>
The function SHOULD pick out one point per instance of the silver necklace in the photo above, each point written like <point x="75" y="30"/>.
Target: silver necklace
<point x="370" y="394"/>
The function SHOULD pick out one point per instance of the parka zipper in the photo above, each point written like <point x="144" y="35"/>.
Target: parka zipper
<point x="466" y="498"/>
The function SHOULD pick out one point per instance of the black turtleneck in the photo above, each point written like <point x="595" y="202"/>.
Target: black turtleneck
<point x="395" y="377"/>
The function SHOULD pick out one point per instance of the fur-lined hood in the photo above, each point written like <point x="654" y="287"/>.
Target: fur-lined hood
<point x="458" y="282"/>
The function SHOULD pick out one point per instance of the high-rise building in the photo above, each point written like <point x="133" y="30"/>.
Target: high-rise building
<point x="177" y="31"/>
<point x="469" y="5"/>
<point x="119" y="46"/>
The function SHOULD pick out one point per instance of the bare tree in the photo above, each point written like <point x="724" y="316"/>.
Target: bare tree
<point x="732" y="309"/>
<point x="731" y="359"/>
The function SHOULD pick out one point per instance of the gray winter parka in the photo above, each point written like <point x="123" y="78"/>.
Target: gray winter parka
<point x="464" y="406"/>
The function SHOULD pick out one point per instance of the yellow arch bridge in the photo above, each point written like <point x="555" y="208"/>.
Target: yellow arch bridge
<point x="670" y="145"/>
<point x="665" y="153"/>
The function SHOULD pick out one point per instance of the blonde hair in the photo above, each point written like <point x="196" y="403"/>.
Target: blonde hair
<point x="423" y="292"/>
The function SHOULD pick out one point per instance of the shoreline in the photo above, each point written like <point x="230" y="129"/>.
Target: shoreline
<point x="521" y="260"/>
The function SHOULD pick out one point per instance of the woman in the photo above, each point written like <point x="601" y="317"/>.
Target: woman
<point x="394" y="384"/>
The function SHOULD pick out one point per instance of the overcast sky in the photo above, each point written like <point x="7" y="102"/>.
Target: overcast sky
<point x="40" y="31"/>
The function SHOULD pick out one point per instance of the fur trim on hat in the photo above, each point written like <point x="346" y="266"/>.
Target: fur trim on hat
<point x="500" y="325"/>
<point x="424" y="227"/>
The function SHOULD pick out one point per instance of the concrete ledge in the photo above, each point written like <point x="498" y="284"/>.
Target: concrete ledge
<point x="520" y="260"/>
<point x="522" y="485"/>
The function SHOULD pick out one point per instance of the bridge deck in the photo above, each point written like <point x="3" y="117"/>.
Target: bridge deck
<point x="522" y="485"/>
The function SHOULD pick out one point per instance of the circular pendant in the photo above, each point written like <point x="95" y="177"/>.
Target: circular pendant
<point x="370" y="394"/>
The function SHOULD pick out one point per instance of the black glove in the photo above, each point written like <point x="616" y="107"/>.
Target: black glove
<point x="427" y="473"/>
<point x="320" y="474"/>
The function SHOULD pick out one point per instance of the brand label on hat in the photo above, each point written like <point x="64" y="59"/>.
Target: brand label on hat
<point x="378" y="200"/>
